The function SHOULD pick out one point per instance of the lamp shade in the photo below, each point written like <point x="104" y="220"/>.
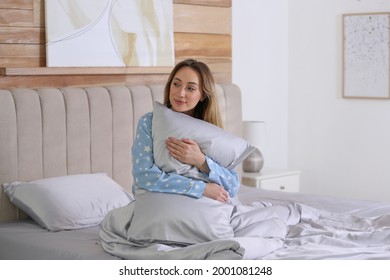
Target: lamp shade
<point x="255" y="133"/>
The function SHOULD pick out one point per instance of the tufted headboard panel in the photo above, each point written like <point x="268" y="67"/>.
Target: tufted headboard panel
<point x="48" y="132"/>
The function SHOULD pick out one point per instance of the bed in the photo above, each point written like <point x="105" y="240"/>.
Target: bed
<point x="65" y="168"/>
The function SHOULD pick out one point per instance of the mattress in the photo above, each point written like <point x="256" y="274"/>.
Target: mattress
<point x="25" y="240"/>
<point x="329" y="228"/>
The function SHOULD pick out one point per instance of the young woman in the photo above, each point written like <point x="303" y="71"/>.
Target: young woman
<point x="190" y="89"/>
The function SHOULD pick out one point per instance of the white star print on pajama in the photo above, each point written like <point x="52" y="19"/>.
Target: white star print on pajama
<point x="147" y="175"/>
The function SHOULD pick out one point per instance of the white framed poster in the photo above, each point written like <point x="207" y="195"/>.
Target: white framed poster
<point x="91" y="33"/>
<point x="366" y="55"/>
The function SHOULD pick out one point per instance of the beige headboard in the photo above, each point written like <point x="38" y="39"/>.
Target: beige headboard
<point x="49" y="132"/>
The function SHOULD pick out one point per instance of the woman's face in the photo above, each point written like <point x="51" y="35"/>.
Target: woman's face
<point x="185" y="91"/>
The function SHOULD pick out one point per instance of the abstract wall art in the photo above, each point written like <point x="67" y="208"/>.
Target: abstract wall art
<point x="366" y="59"/>
<point x="117" y="33"/>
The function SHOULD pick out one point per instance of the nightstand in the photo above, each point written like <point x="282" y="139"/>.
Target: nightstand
<point x="273" y="179"/>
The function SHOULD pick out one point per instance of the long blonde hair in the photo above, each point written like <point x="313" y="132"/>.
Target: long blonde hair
<point x="208" y="109"/>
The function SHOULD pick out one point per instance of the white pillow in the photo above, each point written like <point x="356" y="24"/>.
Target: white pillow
<point x="68" y="202"/>
<point x="174" y="218"/>
<point x="223" y="147"/>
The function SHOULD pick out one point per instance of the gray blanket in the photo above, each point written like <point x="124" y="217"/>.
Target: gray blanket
<point x="115" y="241"/>
<point x="257" y="231"/>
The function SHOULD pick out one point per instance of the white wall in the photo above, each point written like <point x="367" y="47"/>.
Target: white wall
<point x="260" y="65"/>
<point x="341" y="146"/>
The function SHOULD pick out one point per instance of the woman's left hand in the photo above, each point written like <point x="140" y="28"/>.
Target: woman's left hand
<point x="187" y="151"/>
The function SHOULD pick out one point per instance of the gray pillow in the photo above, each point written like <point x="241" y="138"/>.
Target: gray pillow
<point x="178" y="219"/>
<point x="223" y="147"/>
<point x="68" y="202"/>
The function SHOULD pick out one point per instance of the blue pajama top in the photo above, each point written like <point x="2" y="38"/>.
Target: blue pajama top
<point x="147" y="175"/>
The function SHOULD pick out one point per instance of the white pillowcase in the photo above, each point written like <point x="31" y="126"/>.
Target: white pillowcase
<point x="223" y="147"/>
<point x="68" y="202"/>
<point x="174" y="218"/>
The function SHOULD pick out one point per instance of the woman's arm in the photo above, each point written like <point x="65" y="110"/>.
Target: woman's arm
<point x="223" y="176"/>
<point x="188" y="151"/>
<point x="147" y="175"/>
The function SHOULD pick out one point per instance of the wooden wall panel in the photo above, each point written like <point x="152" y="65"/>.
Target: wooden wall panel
<point x="15" y="17"/>
<point x="22" y="62"/>
<point x="202" y="45"/>
<point x="216" y="3"/>
<point x="81" y="80"/>
<point x="16" y="4"/>
<point x="197" y="19"/>
<point x="39" y="13"/>
<point x="202" y="31"/>
<point x="61" y="80"/>
<point x="18" y="54"/>
<point x="24" y="35"/>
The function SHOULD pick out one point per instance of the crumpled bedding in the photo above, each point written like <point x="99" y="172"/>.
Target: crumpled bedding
<point x="259" y="229"/>
<point x="337" y="236"/>
<point x="343" y="229"/>
<point x="271" y="228"/>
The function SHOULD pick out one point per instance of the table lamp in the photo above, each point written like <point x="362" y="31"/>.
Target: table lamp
<point x="255" y="133"/>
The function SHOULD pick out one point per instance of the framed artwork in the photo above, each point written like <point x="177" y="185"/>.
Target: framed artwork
<point x="366" y="55"/>
<point x="92" y="33"/>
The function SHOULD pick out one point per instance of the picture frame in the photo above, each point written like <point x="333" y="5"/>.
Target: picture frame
<point x="109" y="33"/>
<point x="366" y="55"/>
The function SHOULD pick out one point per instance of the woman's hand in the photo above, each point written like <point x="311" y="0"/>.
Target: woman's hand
<point x="215" y="191"/>
<point x="187" y="151"/>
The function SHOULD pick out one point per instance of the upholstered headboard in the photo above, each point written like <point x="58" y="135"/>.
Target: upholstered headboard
<point x="48" y="132"/>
